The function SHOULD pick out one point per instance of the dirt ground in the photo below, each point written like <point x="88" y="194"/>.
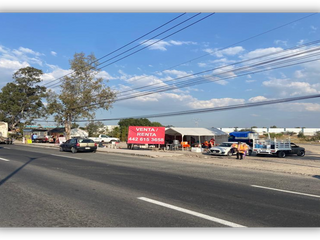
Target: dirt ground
<point x="308" y="165"/>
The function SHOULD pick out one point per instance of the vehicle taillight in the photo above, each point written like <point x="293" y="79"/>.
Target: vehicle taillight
<point x="95" y="145"/>
<point x="78" y="144"/>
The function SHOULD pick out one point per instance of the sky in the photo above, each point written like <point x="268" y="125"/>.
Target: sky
<point x="48" y="41"/>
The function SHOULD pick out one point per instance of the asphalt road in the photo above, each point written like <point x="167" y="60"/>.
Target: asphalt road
<point x="47" y="188"/>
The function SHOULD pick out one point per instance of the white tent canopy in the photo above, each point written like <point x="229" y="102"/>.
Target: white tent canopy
<point x="77" y="132"/>
<point x="205" y="133"/>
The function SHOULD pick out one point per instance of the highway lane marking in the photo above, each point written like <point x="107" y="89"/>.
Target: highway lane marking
<point x="200" y="215"/>
<point x="64" y="156"/>
<point x="6" y="148"/>
<point x="3" y="159"/>
<point x="286" y="191"/>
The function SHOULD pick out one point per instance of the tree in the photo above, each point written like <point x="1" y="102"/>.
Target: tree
<point x="81" y="93"/>
<point x="274" y="126"/>
<point x="115" y="132"/>
<point x="21" y="100"/>
<point x="93" y="128"/>
<point x="246" y="130"/>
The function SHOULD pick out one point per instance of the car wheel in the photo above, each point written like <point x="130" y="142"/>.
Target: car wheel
<point x="301" y="153"/>
<point x="229" y="153"/>
<point x="61" y="149"/>
<point x="73" y="150"/>
<point x="281" y="154"/>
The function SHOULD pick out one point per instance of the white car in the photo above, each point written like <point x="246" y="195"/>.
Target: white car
<point x="223" y="149"/>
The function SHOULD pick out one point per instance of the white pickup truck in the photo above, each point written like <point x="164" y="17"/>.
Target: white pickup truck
<point x="279" y="148"/>
<point x="105" y="139"/>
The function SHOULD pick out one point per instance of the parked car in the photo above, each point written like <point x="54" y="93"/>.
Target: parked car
<point x="79" y="145"/>
<point x="225" y="149"/>
<point x="105" y="139"/>
<point x="295" y="149"/>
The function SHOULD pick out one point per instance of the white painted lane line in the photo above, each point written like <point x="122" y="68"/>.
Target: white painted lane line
<point x="6" y="148"/>
<point x="64" y="156"/>
<point x="3" y="159"/>
<point x="286" y="191"/>
<point x="200" y="215"/>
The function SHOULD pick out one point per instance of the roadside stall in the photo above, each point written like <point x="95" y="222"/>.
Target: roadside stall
<point x="35" y="135"/>
<point x="55" y="134"/>
<point x="193" y="138"/>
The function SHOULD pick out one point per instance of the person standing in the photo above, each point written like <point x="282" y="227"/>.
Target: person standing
<point x="241" y="149"/>
<point x="234" y="148"/>
<point x="211" y="142"/>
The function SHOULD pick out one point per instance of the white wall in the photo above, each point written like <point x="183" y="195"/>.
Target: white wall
<point x="306" y="131"/>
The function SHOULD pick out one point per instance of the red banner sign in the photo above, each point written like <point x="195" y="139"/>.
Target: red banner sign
<point x="146" y="135"/>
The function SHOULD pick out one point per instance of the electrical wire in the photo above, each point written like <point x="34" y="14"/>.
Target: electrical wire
<point x="267" y="63"/>
<point x="249" y="38"/>
<point x="221" y="67"/>
<point x="110" y="53"/>
<point x="232" y="106"/>
<point x="148" y="86"/>
<point x="55" y="85"/>
<point x="214" y="109"/>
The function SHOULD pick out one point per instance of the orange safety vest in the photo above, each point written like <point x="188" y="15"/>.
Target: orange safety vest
<point x="242" y="148"/>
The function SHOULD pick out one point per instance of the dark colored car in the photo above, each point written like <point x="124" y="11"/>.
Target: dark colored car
<point x="79" y="145"/>
<point x="295" y="149"/>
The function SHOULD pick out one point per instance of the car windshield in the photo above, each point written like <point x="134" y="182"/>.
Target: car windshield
<point x="86" y="141"/>
<point x="225" y="145"/>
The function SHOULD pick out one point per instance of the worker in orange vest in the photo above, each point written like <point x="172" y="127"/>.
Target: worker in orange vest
<point x="241" y="149"/>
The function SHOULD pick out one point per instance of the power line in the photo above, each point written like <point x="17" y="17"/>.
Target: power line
<point x="129" y="43"/>
<point x="224" y="66"/>
<point x="57" y="84"/>
<point x="260" y="34"/>
<point x="214" y="109"/>
<point x="142" y="87"/>
<point x="249" y="38"/>
<point x="244" y="40"/>
<point x="267" y="63"/>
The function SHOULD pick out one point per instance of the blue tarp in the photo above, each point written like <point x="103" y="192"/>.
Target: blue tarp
<point x="239" y="134"/>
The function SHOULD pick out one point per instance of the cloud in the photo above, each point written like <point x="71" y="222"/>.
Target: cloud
<point x="257" y="99"/>
<point x="162" y="45"/>
<point x="178" y="73"/>
<point x="22" y="55"/>
<point x="23" y="50"/>
<point x="56" y="73"/>
<point x="310" y="71"/>
<point x="292" y="88"/>
<point x="261" y="52"/>
<point x="215" y="102"/>
<point x="176" y="100"/>
<point x="229" y="51"/>
<point x="178" y="43"/>
<point x="105" y="75"/>
<point x="53" y="53"/>
<point x="13" y="65"/>
<point x="300" y="107"/>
